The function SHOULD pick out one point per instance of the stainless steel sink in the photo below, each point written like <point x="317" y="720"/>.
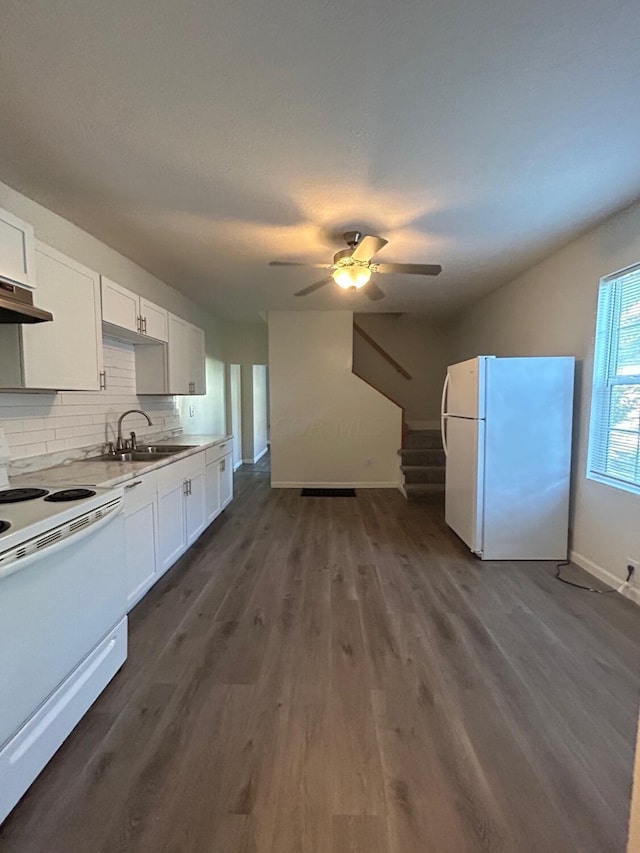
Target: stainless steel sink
<point x="143" y="453"/>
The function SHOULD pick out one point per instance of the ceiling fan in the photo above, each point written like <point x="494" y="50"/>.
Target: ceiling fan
<point x="352" y="268"/>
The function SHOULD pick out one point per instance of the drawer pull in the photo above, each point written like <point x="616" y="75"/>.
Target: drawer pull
<point x="133" y="485"/>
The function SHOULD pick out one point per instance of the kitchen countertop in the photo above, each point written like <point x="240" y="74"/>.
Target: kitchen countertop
<point x="95" y="473"/>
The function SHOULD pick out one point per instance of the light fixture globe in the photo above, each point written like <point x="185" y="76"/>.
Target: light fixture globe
<point x="352" y="277"/>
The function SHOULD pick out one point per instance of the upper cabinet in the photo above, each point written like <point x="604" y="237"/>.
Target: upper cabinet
<point x="178" y="368"/>
<point x="65" y="354"/>
<point x="131" y="317"/>
<point x="186" y="358"/>
<point x="17" y="251"/>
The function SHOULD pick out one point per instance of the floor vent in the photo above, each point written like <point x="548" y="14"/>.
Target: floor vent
<point x="328" y="493"/>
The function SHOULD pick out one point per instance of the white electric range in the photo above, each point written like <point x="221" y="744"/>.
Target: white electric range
<point x="63" y="625"/>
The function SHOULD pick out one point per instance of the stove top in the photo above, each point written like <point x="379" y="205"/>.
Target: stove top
<point x="29" y="512"/>
<point x="14" y="496"/>
<point x="70" y="495"/>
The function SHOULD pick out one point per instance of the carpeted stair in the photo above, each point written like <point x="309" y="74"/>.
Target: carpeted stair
<point x="423" y="466"/>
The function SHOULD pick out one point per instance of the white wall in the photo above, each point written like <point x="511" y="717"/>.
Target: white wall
<point x="260" y="414"/>
<point x="36" y="424"/>
<point x="421" y="347"/>
<point x="551" y="310"/>
<point x="327" y="426"/>
<point x="246" y="343"/>
<point x="78" y="244"/>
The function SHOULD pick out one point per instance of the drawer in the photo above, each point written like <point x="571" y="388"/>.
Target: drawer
<point x="212" y="454"/>
<point x="182" y="469"/>
<point x="139" y="491"/>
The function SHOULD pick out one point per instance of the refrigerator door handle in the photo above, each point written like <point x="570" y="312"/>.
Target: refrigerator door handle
<point x="443" y="415"/>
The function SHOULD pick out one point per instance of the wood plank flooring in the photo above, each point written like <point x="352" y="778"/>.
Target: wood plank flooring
<point x="339" y="675"/>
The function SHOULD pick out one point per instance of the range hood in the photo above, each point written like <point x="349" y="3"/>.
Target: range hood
<point x="16" y="306"/>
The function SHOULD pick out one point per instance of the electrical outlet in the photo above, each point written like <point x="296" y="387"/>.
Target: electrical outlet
<point x="192" y="411"/>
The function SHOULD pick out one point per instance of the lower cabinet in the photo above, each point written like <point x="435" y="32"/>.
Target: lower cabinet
<point x="168" y="509"/>
<point x="181" y="506"/>
<point x="226" y="480"/>
<point x="141" y="536"/>
<point x="219" y="478"/>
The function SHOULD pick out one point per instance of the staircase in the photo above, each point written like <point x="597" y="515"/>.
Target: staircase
<point x="423" y="466"/>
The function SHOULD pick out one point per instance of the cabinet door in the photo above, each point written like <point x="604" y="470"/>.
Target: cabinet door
<point x="172" y="537"/>
<point x="140" y="546"/>
<point x="17" y="250"/>
<point x="141" y="536"/>
<point x="212" y="492"/>
<point x="197" y="375"/>
<point x="67" y="353"/>
<point x="195" y="507"/>
<point x="155" y="321"/>
<point x="225" y="467"/>
<point x="178" y="356"/>
<point x="120" y="306"/>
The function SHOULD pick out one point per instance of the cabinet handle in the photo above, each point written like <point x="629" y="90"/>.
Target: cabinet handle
<point x="185" y="487"/>
<point x="189" y="485"/>
<point x="133" y="485"/>
<point x="139" y="324"/>
<point x="103" y="380"/>
<point x="223" y="465"/>
<point x="144" y="325"/>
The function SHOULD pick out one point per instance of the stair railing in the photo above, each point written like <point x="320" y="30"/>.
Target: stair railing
<point x="376" y="346"/>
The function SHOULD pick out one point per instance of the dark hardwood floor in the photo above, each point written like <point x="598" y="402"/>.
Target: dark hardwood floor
<point x="341" y="676"/>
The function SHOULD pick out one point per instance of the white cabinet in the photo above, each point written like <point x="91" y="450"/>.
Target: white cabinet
<point x="65" y="354"/>
<point x="178" y="367"/>
<point x="181" y="507"/>
<point x="226" y="480"/>
<point x="186" y="358"/>
<point x="197" y="360"/>
<point x="141" y="536"/>
<point x="131" y="317"/>
<point x="166" y="510"/>
<point x="154" y="320"/>
<point x="219" y="479"/>
<point x="17" y="250"/>
<point x="212" y="496"/>
<point x="195" y="515"/>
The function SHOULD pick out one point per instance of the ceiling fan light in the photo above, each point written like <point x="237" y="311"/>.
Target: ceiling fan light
<point x="352" y="277"/>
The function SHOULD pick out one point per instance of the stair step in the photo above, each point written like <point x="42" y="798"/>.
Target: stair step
<point x="424" y="456"/>
<point x="423" y="473"/>
<point x="425" y="492"/>
<point x="423" y="438"/>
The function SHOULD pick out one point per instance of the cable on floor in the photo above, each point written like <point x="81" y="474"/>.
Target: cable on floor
<point x="630" y="570"/>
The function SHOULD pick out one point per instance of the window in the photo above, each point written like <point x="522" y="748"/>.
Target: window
<point x="614" y="441"/>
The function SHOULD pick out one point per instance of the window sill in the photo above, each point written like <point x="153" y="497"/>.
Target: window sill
<point x="615" y="484"/>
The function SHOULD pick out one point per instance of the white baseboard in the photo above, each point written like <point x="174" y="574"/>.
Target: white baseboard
<point x="291" y="485"/>
<point x="630" y="592"/>
<point x="260" y="455"/>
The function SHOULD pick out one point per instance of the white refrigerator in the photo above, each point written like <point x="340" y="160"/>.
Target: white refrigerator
<point x="506" y="430"/>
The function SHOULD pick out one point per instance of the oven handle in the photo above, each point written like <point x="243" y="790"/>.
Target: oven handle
<point x="18" y="564"/>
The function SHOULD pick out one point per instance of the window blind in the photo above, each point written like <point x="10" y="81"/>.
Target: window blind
<point x="614" y="443"/>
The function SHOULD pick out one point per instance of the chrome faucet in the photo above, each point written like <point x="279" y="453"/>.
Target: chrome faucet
<point x="129" y="443"/>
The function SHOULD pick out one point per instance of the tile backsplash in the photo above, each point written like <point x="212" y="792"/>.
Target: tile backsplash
<point x="47" y="422"/>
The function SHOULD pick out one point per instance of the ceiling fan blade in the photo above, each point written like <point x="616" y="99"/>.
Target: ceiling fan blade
<point x="298" y="264"/>
<point x="318" y="284"/>
<point x="367" y="247"/>
<point x="374" y="292"/>
<point x="414" y="269"/>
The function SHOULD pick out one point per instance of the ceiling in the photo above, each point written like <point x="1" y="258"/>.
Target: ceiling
<point x="203" y="139"/>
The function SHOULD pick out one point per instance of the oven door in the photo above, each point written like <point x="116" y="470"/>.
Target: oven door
<point x="54" y="611"/>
